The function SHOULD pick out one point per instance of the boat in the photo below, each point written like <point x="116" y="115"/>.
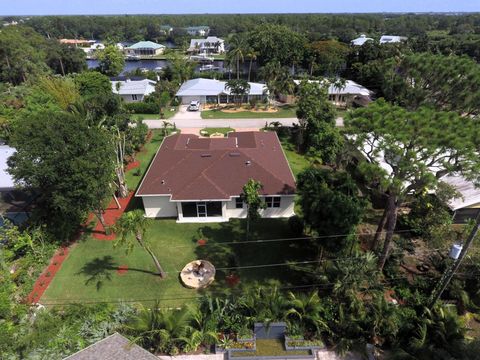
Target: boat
<point x="158" y="69"/>
<point x="143" y="70"/>
<point x="201" y="58"/>
<point x="132" y="57"/>
<point x="209" y="67"/>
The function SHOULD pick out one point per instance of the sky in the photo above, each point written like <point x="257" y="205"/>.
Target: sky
<point x="89" y="7"/>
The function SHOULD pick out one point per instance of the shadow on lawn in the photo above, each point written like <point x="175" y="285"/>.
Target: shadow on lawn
<point x="100" y="269"/>
<point x="251" y="260"/>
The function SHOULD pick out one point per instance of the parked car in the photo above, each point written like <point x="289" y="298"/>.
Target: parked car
<point x="194" y="106"/>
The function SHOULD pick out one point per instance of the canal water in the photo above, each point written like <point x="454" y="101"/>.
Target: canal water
<point x="153" y="64"/>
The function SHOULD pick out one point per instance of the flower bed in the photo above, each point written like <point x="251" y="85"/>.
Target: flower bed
<point x="299" y="343"/>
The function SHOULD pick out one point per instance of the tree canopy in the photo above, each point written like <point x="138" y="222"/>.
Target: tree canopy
<point x="65" y="164"/>
<point x="409" y="151"/>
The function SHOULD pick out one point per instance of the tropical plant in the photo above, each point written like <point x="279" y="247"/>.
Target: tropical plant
<point x="238" y="88"/>
<point x="250" y="195"/>
<point x="131" y="229"/>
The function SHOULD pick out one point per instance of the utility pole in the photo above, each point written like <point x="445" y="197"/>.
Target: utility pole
<point x="447" y="276"/>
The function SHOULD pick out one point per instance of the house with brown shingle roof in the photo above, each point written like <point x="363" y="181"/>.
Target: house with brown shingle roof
<point x="200" y="179"/>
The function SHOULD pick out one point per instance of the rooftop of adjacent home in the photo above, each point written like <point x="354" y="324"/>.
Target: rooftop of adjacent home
<point x="130" y="86"/>
<point x="198" y="87"/>
<point x="146" y="45"/>
<point x="191" y="168"/>
<point x="113" y="347"/>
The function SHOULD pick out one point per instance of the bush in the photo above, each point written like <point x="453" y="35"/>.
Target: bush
<point x="296" y="225"/>
<point x="143" y="108"/>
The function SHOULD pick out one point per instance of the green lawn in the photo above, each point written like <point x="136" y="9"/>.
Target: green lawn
<point x="212" y="130"/>
<point x="90" y="271"/>
<point x="283" y="112"/>
<point x="270" y="347"/>
<point x="145" y="157"/>
<point x="297" y="161"/>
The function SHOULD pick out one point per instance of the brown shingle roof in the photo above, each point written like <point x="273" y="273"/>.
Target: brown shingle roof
<point x="191" y="168"/>
<point x="113" y="347"/>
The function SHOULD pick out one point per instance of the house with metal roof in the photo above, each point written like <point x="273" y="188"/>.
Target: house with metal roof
<point x="198" y="30"/>
<point x="209" y="91"/>
<point x="389" y="39"/>
<point x="210" y="45"/>
<point x="132" y="89"/>
<point x="466" y="206"/>
<point x="145" y="48"/>
<point x="361" y="40"/>
<point x="345" y="93"/>
<point x="198" y="179"/>
<point x="113" y="347"/>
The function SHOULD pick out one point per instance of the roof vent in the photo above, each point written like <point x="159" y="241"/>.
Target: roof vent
<point x="234" y="154"/>
<point x="163" y="182"/>
<point x="248" y="163"/>
<point x="206" y="155"/>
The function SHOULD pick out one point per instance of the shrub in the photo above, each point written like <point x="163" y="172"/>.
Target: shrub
<point x="296" y="225"/>
<point x="142" y="108"/>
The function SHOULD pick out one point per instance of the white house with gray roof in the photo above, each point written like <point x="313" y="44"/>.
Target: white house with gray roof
<point x="132" y="90"/>
<point x="209" y="91"/>
<point x="390" y="39"/>
<point x="145" y="48"/>
<point x="361" y="40"/>
<point x="210" y="45"/>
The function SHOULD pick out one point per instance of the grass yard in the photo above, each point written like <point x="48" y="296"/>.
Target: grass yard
<point x="270" y="347"/>
<point x="212" y="130"/>
<point x="283" y="112"/>
<point x="297" y="161"/>
<point x="89" y="274"/>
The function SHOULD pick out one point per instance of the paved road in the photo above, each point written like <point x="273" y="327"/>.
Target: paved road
<point x="233" y="123"/>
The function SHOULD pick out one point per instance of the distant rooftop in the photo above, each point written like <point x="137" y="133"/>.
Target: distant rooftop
<point x="200" y="87"/>
<point x="349" y="87"/>
<point x="361" y="40"/>
<point x="386" y="39"/>
<point x="146" y="45"/>
<point x="132" y="87"/>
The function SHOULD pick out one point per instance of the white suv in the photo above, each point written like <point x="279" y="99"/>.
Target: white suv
<point x="194" y="106"/>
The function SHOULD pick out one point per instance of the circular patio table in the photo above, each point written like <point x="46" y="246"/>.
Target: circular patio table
<point x="198" y="274"/>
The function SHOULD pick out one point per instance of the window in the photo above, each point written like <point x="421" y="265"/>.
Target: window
<point x="272" y="201"/>
<point x="134" y="97"/>
<point x="238" y="203"/>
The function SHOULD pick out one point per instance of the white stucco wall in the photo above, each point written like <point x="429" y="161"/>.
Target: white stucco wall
<point x="159" y="206"/>
<point x="286" y="209"/>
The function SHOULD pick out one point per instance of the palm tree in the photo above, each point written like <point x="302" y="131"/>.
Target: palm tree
<point x="160" y="329"/>
<point x="136" y="224"/>
<point x="307" y="308"/>
<point x="239" y="88"/>
<point x="237" y="52"/>
<point x="252" y="55"/>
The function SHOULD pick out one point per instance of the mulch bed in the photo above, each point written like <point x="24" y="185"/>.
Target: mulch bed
<point x="122" y="269"/>
<point x="132" y="165"/>
<point x="201" y="242"/>
<point x="47" y="275"/>
<point x="111" y="214"/>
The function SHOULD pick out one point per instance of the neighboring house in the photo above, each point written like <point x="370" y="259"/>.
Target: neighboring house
<point x="342" y="94"/>
<point x="210" y="45"/>
<point x="201" y="179"/>
<point x="361" y="40"/>
<point x="388" y="39"/>
<point x="198" y="30"/>
<point x="6" y="180"/>
<point x="113" y="347"/>
<point x="209" y="91"/>
<point x="145" y="48"/>
<point x="467" y="206"/>
<point x="77" y="42"/>
<point x="94" y="47"/>
<point x="166" y="29"/>
<point x="132" y="89"/>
